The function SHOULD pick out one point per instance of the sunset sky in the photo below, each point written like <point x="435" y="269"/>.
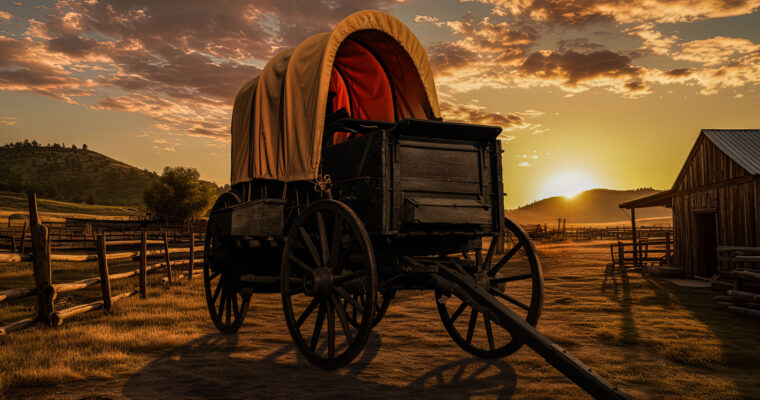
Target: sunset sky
<point x="590" y="93"/>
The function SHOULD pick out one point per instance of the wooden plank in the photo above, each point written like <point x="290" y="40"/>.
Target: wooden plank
<point x="143" y="265"/>
<point x="15" y="326"/>
<point x="105" y="281"/>
<point x="747" y="275"/>
<point x="191" y="261"/>
<point x="59" y="316"/>
<point x="69" y="287"/>
<point x="744" y="296"/>
<point x="744" y="311"/>
<point x="18" y="293"/>
<point x="167" y="258"/>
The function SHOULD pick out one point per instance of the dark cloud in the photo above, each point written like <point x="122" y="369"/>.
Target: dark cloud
<point x="679" y="72"/>
<point x="574" y="67"/>
<point x="473" y="114"/>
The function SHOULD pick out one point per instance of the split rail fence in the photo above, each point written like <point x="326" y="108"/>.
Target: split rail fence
<point x="142" y="245"/>
<point x="739" y="270"/>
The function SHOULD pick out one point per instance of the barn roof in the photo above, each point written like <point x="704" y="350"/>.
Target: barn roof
<point x="741" y="145"/>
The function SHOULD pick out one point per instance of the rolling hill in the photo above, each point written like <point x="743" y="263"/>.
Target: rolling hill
<point x="589" y="207"/>
<point x="73" y="175"/>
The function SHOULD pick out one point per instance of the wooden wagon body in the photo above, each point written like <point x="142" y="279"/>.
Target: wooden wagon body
<point x="337" y="210"/>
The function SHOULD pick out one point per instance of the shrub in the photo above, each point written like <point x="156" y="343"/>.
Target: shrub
<point x="179" y="194"/>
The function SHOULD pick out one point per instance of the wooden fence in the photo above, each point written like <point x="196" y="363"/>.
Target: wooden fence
<point x="148" y="244"/>
<point x="563" y="232"/>
<point x="645" y="250"/>
<point x="739" y="270"/>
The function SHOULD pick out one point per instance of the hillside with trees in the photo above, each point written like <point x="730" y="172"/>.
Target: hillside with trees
<point x="73" y="174"/>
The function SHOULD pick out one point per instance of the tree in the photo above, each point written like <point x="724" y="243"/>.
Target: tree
<point x="84" y="146"/>
<point x="179" y="194"/>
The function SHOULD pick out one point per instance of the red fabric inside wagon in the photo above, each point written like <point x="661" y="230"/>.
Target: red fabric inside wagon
<point x="361" y="86"/>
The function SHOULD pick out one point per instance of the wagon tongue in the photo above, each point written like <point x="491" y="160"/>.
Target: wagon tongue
<point x="466" y="287"/>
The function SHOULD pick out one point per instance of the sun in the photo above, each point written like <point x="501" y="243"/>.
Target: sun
<point x="567" y="183"/>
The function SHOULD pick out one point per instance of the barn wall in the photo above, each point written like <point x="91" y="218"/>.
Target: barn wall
<point x="709" y="181"/>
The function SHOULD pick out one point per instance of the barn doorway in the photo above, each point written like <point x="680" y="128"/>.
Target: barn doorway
<point x="706" y="243"/>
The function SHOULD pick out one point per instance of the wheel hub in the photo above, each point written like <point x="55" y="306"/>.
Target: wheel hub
<point x="319" y="282"/>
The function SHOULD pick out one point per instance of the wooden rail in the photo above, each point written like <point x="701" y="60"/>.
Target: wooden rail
<point x="46" y="291"/>
<point x="646" y="250"/>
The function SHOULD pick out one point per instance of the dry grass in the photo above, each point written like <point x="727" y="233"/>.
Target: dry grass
<point x="652" y="338"/>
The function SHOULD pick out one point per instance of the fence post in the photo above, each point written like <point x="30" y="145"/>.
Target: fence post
<point x="43" y="274"/>
<point x="667" y="248"/>
<point x="191" y="262"/>
<point x="621" y="254"/>
<point x="168" y="259"/>
<point x="105" y="281"/>
<point x="144" y="265"/>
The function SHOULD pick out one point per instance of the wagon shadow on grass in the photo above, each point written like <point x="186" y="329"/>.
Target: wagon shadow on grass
<point x="213" y="367"/>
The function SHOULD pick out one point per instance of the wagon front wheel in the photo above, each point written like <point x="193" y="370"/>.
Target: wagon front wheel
<point x="227" y="305"/>
<point x="328" y="266"/>
<point x="514" y="278"/>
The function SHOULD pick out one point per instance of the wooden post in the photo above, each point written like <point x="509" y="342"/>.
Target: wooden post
<point x="105" y="281"/>
<point x="13" y="243"/>
<point x="143" y="265"/>
<point x="667" y="248"/>
<point x="621" y="254"/>
<point x="43" y="274"/>
<point x="633" y="235"/>
<point x="191" y="262"/>
<point x="168" y="259"/>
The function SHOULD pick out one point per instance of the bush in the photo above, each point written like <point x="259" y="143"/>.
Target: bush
<point x="179" y="195"/>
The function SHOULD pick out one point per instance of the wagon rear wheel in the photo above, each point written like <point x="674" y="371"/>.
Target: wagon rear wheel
<point x="514" y="278"/>
<point x="328" y="262"/>
<point x="226" y="304"/>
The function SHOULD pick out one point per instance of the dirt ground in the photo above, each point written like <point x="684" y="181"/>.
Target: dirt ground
<point x="650" y="337"/>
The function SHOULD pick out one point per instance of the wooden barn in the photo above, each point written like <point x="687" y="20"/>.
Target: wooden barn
<point x="715" y="200"/>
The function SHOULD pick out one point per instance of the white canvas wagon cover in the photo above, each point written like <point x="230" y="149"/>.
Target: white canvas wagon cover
<point x="371" y="64"/>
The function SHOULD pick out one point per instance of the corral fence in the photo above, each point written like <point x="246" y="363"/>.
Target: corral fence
<point x="560" y="231"/>
<point x="646" y="250"/>
<point x="179" y="251"/>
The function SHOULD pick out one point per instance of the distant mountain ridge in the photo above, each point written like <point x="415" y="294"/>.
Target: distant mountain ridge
<point x="74" y="175"/>
<point x="591" y="206"/>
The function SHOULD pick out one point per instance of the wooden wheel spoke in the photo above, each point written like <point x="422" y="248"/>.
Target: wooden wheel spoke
<point x="323" y="237"/>
<point x="349" y="276"/>
<point x="235" y="308"/>
<point x="297" y="261"/>
<point x="317" y="327"/>
<point x="309" y="245"/>
<point x="342" y="292"/>
<point x="458" y="312"/>
<point x="489" y="333"/>
<point x="510" y="299"/>
<point x="337" y="236"/>
<point x="213" y="276"/>
<point x="343" y="319"/>
<point x="314" y="303"/>
<point x="512" y="278"/>
<point x="221" y="305"/>
<point x="471" y="327"/>
<point x="330" y="330"/>
<point x="505" y="259"/>
<point x="217" y="290"/>
<point x="489" y="255"/>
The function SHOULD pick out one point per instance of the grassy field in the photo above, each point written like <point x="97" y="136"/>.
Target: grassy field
<point x="652" y="338"/>
<point x="51" y="210"/>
